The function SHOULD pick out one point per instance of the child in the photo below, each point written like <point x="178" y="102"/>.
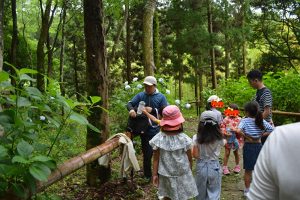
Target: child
<point x="207" y="146"/>
<point x="172" y="157"/>
<point x="232" y="119"/>
<point x="253" y="127"/>
<point x="214" y="102"/>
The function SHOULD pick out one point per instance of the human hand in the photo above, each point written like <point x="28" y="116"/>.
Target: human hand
<point x="132" y="113"/>
<point x="155" y="180"/>
<point x="148" y="109"/>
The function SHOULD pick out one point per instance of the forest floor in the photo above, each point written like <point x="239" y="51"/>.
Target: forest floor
<point x="74" y="187"/>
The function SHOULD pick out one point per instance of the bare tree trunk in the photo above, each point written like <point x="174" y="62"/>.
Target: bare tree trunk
<point x="75" y="62"/>
<point x="180" y="81"/>
<point x="1" y="34"/>
<point x="14" y="40"/>
<point x="212" y="50"/>
<point x="156" y="41"/>
<point x="97" y="73"/>
<point x="148" y="37"/>
<point x="49" y="58"/>
<point x="227" y="57"/>
<point x="40" y="54"/>
<point x="62" y="51"/>
<point x="128" y="45"/>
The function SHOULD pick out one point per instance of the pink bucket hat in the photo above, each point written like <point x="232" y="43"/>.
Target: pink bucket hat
<point x="171" y="116"/>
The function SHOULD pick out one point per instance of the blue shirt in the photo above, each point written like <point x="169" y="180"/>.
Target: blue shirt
<point x="248" y="126"/>
<point x="156" y="101"/>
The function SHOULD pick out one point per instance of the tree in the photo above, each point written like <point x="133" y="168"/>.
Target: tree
<point x="96" y="82"/>
<point x="1" y="33"/>
<point x="40" y="53"/>
<point x="149" y="65"/>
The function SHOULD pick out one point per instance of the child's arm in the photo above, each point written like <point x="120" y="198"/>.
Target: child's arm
<point x="151" y="117"/>
<point x="195" y="152"/>
<point x="155" y="167"/>
<point x="189" y="154"/>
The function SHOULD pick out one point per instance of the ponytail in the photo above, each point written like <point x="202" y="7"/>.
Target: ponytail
<point x="259" y="120"/>
<point x="252" y="108"/>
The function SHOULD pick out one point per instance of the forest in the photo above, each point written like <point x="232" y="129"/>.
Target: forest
<point x="69" y="67"/>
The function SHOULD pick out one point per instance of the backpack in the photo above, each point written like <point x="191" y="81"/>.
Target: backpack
<point x="139" y="124"/>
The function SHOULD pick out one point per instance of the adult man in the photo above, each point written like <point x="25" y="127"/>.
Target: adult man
<point x="154" y="101"/>
<point x="263" y="96"/>
<point x="277" y="174"/>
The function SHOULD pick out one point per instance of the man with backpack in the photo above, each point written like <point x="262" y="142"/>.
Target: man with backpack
<point x="263" y="96"/>
<point x="154" y="103"/>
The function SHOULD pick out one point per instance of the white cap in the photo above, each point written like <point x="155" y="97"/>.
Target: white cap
<point x="213" y="98"/>
<point x="150" y="80"/>
<point x="209" y="116"/>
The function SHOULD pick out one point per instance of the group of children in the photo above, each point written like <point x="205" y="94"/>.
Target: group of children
<point x="173" y="150"/>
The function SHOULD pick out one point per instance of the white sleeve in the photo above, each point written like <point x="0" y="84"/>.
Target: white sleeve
<point x="263" y="185"/>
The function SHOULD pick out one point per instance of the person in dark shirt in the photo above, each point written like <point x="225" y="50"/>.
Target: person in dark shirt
<point x="263" y="96"/>
<point x="154" y="102"/>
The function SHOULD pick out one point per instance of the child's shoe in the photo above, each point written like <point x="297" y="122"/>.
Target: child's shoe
<point x="226" y="170"/>
<point x="237" y="169"/>
<point x="246" y="192"/>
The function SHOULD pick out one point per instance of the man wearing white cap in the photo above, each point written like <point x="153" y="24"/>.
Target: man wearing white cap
<point x="154" y="101"/>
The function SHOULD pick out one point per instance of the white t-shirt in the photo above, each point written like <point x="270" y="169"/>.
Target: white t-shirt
<point x="277" y="170"/>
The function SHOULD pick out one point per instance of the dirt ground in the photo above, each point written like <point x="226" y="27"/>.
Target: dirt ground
<point x="74" y="187"/>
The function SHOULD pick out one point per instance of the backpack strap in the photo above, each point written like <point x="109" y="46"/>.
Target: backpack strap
<point x="150" y="122"/>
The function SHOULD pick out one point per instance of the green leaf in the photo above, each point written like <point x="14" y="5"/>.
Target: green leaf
<point x="55" y="122"/>
<point x="3" y="152"/>
<point x="24" y="148"/>
<point x="79" y="118"/>
<point x="23" y="102"/>
<point x="39" y="171"/>
<point x="27" y="71"/>
<point x="26" y="77"/>
<point x="51" y="164"/>
<point x="4" y="76"/>
<point x="41" y="158"/>
<point x="93" y="128"/>
<point x="34" y="91"/>
<point x="95" y="99"/>
<point x="19" y="159"/>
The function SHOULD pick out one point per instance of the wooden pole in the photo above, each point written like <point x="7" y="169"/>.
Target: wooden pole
<point x="70" y="166"/>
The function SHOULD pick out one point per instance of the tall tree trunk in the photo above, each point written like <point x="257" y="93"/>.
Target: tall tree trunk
<point x="128" y="46"/>
<point x="148" y="37"/>
<point x="40" y="54"/>
<point x="75" y="63"/>
<point x="14" y="40"/>
<point x="227" y="39"/>
<point x="156" y="44"/>
<point x="96" y="82"/>
<point x="212" y="50"/>
<point x="227" y="56"/>
<point x="49" y="58"/>
<point x="62" y="50"/>
<point x="244" y="46"/>
<point x="1" y="34"/>
<point x="180" y="75"/>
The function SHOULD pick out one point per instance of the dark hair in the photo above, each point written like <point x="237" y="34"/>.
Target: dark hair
<point x="208" y="106"/>
<point x="208" y="132"/>
<point x="174" y="131"/>
<point x="255" y="74"/>
<point x="233" y="106"/>
<point x="252" y="108"/>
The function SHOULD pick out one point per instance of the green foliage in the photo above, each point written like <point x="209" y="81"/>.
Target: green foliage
<point x="239" y="92"/>
<point x="34" y="123"/>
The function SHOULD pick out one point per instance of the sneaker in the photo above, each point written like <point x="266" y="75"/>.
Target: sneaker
<point x="237" y="169"/>
<point x="226" y="170"/>
<point x="246" y="192"/>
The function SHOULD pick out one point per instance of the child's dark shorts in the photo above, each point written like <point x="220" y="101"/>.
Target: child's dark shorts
<point x="250" y="154"/>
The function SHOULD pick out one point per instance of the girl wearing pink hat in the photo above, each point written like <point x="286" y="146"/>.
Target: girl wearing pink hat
<point x="172" y="157"/>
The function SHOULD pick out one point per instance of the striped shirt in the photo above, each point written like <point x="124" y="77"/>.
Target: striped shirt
<point x="249" y="128"/>
<point x="264" y="98"/>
